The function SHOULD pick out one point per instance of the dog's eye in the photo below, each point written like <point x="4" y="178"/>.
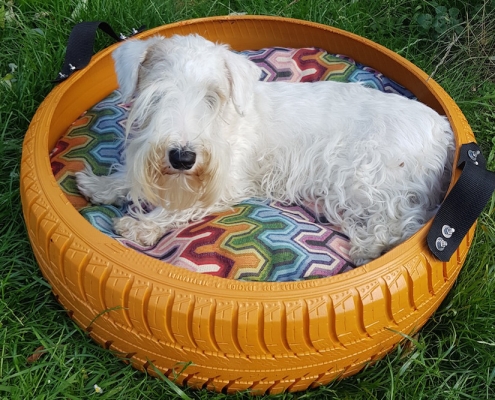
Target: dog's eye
<point x="211" y="100"/>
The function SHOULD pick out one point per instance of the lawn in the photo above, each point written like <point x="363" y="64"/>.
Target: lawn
<point x="453" y="356"/>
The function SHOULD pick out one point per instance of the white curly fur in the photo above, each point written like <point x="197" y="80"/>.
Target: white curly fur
<point x="376" y="164"/>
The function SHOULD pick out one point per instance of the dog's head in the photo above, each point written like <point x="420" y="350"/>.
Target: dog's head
<point x="186" y="91"/>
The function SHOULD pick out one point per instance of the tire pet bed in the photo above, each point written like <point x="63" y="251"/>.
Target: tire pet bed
<point x="263" y="336"/>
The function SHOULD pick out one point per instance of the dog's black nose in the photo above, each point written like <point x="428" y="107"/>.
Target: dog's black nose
<point x="182" y="159"/>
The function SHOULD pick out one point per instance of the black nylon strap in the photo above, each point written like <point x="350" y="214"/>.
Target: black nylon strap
<point x="80" y="46"/>
<point x="463" y="204"/>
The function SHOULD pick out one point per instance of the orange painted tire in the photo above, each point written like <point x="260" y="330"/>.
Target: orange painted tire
<point x="267" y="337"/>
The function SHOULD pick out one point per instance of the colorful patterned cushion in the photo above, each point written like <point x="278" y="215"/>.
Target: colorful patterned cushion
<point x="256" y="240"/>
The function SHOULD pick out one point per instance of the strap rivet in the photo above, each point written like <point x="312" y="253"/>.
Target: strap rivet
<point x="447" y="231"/>
<point x="473" y="155"/>
<point x="72" y="68"/>
<point x="440" y="244"/>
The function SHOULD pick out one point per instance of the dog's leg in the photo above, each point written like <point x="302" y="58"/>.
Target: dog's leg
<point x="148" y="229"/>
<point x="144" y="232"/>
<point x="370" y="241"/>
<point x="111" y="189"/>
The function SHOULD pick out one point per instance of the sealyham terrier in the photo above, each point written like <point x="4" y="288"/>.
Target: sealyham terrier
<point x="204" y="134"/>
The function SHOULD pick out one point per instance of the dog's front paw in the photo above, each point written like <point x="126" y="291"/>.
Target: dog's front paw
<point x="89" y="184"/>
<point x="144" y="233"/>
<point x="99" y="189"/>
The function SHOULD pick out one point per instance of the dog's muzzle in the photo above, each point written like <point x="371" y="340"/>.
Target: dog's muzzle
<point x="182" y="159"/>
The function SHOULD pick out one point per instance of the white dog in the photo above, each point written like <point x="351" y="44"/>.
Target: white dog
<point x="205" y="134"/>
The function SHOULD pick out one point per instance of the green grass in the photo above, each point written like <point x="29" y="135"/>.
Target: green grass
<point x="453" y="357"/>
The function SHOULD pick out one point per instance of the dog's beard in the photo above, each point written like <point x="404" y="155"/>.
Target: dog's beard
<point x="177" y="190"/>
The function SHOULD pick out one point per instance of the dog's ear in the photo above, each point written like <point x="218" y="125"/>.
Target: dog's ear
<point x="242" y="74"/>
<point x="128" y="58"/>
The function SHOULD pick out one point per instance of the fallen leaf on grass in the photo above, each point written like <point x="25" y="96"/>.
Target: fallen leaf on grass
<point x="36" y="355"/>
<point x="7" y="14"/>
<point x="81" y="7"/>
<point x="408" y="346"/>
